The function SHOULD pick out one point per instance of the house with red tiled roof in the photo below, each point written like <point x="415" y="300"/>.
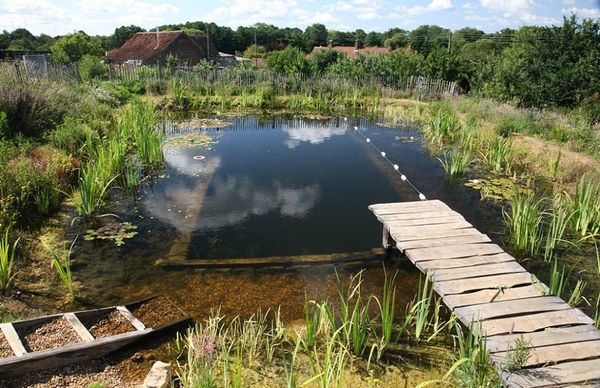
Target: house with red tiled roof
<point x="149" y="48"/>
<point x="351" y="51"/>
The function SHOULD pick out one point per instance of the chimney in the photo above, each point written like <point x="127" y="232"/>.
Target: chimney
<point x="356" y="44"/>
<point x="157" y="37"/>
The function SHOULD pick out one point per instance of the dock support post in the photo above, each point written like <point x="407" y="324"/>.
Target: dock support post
<point x="385" y="240"/>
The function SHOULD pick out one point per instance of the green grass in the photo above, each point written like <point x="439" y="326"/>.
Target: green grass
<point x="499" y="154"/>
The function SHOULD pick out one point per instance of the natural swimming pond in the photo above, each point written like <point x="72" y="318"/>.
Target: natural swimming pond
<point x="266" y="187"/>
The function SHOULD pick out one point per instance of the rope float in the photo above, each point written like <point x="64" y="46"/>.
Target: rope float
<point x="394" y="165"/>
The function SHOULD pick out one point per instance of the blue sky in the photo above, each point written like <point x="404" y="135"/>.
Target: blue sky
<point x="103" y="16"/>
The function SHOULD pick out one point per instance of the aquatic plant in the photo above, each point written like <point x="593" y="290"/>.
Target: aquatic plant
<point x="498" y="188"/>
<point x="387" y="306"/>
<point x="499" y="154"/>
<point x="557" y="279"/>
<point x="523" y="223"/>
<point x="585" y="205"/>
<point x="478" y="371"/>
<point x="328" y="367"/>
<point x="456" y="162"/>
<point x="560" y="216"/>
<point x="7" y="258"/>
<point x="116" y="231"/>
<point x="312" y="320"/>
<point x="443" y="126"/>
<point x="62" y="265"/>
<point x="89" y="197"/>
<point x="421" y="307"/>
<point x="577" y="293"/>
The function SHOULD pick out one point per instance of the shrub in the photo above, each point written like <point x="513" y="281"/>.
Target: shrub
<point x="27" y="111"/>
<point x="91" y="68"/>
<point x="70" y="136"/>
<point x="3" y="124"/>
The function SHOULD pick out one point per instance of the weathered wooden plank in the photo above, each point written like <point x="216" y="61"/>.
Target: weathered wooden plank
<point x="431" y="233"/>
<point x="485" y="296"/>
<point x="386" y="208"/>
<point x="423" y="215"/>
<point x="451" y="252"/>
<point x="439" y="275"/>
<point x="83" y="333"/>
<point x="533" y="322"/>
<point x="13" y="339"/>
<point x="131" y="318"/>
<point x="505" y="308"/>
<point x="554" y="354"/>
<point x="482" y="283"/>
<point x="410" y="210"/>
<point x="399" y="228"/>
<point x="546" y="337"/>
<point x="555" y="375"/>
<point x="444" y="242"/>
<point x="421" y="221"/>
<point x="465" y="262"/>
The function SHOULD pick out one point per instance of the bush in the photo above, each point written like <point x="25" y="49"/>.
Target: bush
<point x="70" y="136"/>
<point x="591" y="108"/>
<point x="3" y="124"/>
<point x="91" y="68"/>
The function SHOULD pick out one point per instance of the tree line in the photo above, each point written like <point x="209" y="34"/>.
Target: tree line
<point x="531" y="66"/>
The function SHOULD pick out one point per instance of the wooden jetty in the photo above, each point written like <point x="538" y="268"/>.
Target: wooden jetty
<point x="481" y="283"/>
<point x="24" y="360"/>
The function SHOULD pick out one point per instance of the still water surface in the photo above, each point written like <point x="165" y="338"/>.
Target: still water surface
<point x="268" y="187"/>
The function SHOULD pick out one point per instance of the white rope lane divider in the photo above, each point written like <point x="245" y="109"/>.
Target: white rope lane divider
<point x="394" y="165"/>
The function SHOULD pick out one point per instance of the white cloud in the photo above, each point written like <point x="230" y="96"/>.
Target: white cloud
<point x="524" y="11"/>
<point x="248" y="12"/>
<point x="433" y="6"/>
<point x="568" y="1"/>
<point x="93" y="16"/>
<point x="582" y="12"/>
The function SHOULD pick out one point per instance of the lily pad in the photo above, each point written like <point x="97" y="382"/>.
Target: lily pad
<point x="116" y="231"/>
<point x="191" y="140"/>
<point x="498" y="188"/>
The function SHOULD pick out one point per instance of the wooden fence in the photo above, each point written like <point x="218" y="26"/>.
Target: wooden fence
<point x="388" y="87"/>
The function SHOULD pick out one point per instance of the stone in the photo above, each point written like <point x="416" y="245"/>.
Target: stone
<point x="159" y="376"/>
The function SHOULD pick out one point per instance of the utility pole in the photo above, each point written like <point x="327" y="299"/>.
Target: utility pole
<point x="255" y="49"/>
<point x="449" y="41"/>
<point x="207" y="46"/>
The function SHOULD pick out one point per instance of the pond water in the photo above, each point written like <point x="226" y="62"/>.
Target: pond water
<point x="267" y="187"/>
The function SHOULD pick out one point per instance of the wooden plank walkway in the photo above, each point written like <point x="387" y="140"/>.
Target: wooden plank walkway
<point x="480" y="282"/>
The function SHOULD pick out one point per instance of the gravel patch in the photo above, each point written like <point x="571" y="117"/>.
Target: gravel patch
<point x="105" y="325"/>
<point x="5" y="349"/>
<point x="48" y="335"/>
<point x="156" y="312"/>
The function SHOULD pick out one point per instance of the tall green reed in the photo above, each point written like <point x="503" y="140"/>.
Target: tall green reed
<point x="524" y="223"/>
<point x="586" y="207"/>
<point x="499" y="154"/>
<point x="61" y="262"/>
<point x="456" y="161"/>
<point x="7" y="259"/>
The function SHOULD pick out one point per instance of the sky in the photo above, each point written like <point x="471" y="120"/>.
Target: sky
<point x="103" y="16"/>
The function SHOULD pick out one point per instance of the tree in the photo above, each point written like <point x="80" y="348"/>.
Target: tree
<point x="374" y="39"/>
<point x="360" y="35"/>
<point x="322" y="59"/>
<point x="288" y="60"/>
<point x="123" y="34"/>
<point x="424" y="39"/>
<point x="71" y="48"/>
<point x="399" y="39"/>
<point x="316" y="35"/>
